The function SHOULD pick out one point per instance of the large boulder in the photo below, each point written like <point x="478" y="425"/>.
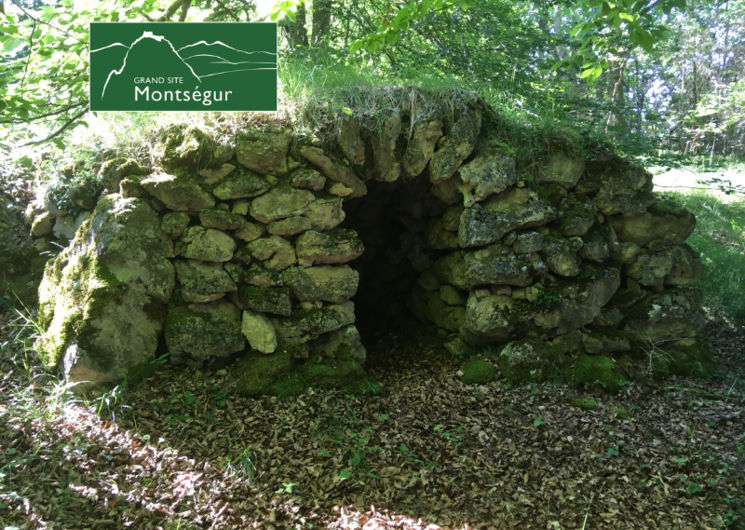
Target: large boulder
<point x="112" y="172"/>
<point x="344" y="343"/>
<point x="84" y="194"/>
<point x="221" y="219"/>
<point x="560" y="254"/>
<point x="307" y="178"/>
<point x="173" y="224"/>
<point x="101" y="299"/>
<point x="577" y="214"/>
<point x="600" y="370"/>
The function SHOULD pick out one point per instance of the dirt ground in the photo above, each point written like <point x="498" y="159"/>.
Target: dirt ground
<point x="180" y="451"/>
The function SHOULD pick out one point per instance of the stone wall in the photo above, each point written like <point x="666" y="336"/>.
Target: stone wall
<point x="241" y="248"/>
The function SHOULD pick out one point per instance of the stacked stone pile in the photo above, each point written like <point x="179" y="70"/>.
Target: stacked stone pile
<point x="245" y="249"/>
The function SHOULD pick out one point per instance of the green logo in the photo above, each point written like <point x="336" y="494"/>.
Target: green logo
<point x="201" y="66"/>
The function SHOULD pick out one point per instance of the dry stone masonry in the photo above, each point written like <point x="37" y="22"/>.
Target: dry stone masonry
<point x="269" y="247"/>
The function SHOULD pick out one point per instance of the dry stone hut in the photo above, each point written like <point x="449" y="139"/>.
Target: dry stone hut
<point x="272" y="245"/>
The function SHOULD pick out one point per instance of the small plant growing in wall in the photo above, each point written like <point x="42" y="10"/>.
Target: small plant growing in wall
<point x="548" y="299"/>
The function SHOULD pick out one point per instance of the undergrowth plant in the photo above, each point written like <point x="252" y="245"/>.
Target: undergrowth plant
<point x="720" y="240"/>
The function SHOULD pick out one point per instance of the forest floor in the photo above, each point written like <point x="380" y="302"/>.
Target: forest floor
<point x="180" y="452"/>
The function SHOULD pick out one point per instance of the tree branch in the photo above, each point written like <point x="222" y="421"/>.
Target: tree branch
<point x="170" y="11"/>
<point x="184" y="10"/>
<point x="42" y="116"/>
<point x="47" y="23"/>
<point x="226" y="8"/>
<point x="59" y="131"/>
<point x="28" y="59"/>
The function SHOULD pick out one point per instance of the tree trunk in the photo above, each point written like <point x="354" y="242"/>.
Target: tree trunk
<point x="613" y="117"/>
<point x="321" y="19"/>
<point x="297" y="33"/>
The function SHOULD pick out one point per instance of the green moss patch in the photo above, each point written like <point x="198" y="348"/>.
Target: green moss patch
<point x="477" y="371"/>
<point x="585" y="403"/>
<point x="600" y="370"/>
<point x="259" y="374"/>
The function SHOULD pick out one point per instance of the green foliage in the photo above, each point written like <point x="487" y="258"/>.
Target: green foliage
<point x="612" y="26"/>
<point x="719" y="239"/>
<point x="548" y="299"/>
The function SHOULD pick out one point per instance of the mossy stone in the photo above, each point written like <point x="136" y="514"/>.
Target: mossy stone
<point x="241" y="184"/>
<point x="478" y="372"/>
<point x="585" y="403"/>
<point x="308" y="323"/>
<point x="264" y="151"/>
<point x="101" y="298"/>
<point x="531" y="360"/>
<point x="221" y="219"/>
<point x="207" y="244"/>
<point x="203" y="281"/>
<point x="204" y="330"/>
<point x="588" y="370"/>
<point x="621" y="412"/>
<point x="275" y="300"/>
<point x="181" y="148"/>
<point x="326" y="283"/>
<point x="258" y="374"/>
<point x="342" y="374"/>
<point x="685" y="357"/>
<point x="180" y="191"/>
<point x="174" y="224"/>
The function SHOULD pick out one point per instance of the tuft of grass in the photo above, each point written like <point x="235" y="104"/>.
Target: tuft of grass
<point x="720" y="240"/>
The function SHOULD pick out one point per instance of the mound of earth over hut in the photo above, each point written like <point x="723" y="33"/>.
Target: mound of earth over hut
<point x="270" y="246"/>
